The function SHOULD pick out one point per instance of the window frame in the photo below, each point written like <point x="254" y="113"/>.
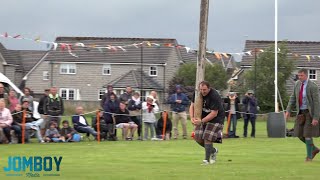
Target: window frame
<point x="313" y="74"/>
<point x="68" y="93"/>
<point x="106" y="66"/>
<point x="150" y="70"/>
<point x="68" y="68"/>
<point x="45" y="77"/>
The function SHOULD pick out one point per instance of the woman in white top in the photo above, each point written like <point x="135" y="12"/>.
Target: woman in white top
<point x="149" y="109"/>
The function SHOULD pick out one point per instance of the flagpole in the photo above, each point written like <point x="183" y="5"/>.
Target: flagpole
<point x="276" y="109"/>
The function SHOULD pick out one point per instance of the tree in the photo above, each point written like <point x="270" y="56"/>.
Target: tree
<point x="265" y="77"/>
<point x="186" y="76"/>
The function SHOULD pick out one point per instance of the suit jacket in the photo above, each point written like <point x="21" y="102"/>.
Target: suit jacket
<point x="313" y="102"/>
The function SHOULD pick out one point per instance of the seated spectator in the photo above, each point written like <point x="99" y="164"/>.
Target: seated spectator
<point x="13" y="100"/>
<point x="103" y="125"/>
<point x="5" y="121"/>
<point x="16" y="124"/>
<point x="80" y="123"/>
<point x="68" y="133"/>
<point x="160" y="126"/>
<point x="52" y="134"/>
<point x="124" y="122"/>
<point x="31" y="122"/>
<point x="111" y="106"/>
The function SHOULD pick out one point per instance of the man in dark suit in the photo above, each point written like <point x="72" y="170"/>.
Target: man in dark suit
<point x="305" y="98"/>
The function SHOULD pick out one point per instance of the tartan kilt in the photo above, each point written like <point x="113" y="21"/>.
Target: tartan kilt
<point x="209" y="131"/>
<point x="306" y="130"/>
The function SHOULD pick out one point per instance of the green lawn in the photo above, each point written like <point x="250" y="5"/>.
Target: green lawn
<point x="243" y="158"/>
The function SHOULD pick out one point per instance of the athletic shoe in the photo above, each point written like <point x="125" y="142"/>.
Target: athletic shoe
<point x="205" y="162"/>
<point x="213" y="156"/>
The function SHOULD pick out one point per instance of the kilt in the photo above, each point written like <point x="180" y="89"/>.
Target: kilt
<point x="306" y="130"/>
<point x="209" y="131"/>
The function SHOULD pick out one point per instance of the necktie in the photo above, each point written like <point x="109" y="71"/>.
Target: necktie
<point x="301" y="95"/>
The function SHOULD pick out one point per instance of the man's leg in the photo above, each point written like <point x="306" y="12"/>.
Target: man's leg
<point x="152" y="129"/>
<point x="309" y="145"/>
<point x="245" y="126"/>
<point x="234" y="124"/>
<point x="6" y="132"/>
<point x="183" y="117"/>
<point x="18" y="132"/>
<point x="253" y="124"/>
<point x="146" y="126"/>
<point x="175" y="125"/>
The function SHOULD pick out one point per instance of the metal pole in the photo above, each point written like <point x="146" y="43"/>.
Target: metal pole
<point x="201" y="56"/>
<point x="276" y="109"/>
<point x="141" y="87"/>
<point x="255" y="71"/>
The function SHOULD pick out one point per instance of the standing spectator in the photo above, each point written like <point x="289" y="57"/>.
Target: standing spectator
<point x="80" y="123"/>
<point x="27" y="95"/>
<point x="31" y="122"/>
<point x="4" y="95"/>
<point x="106" y="95"/>
<point x="53" y="107"/>
<point x="126" y="96"/>
<point x="154" y="94"/>
<point x="250" y="107"/>
<point x="149" y="109"/>
<point x="134" y="107"/>
<point x="110" y="107"/>
<point x="178" y="102"/>
<point x="161" y="125"/>
<point x="305" y="99"/>
<point x="41" y="105"/>
<point x="233" y="108"/>
<point x="5" y="120"/>
<point x="123" y="121"/>
<point x="68" y="133"/>
<point x="52" y="134"/>
<point x="13" y="100"/>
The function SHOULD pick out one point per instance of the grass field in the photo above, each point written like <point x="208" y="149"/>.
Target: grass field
<point x="243" y="158"/>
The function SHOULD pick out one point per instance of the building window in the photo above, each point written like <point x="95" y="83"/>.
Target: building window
<point x="106" y="69"/>
<point x="101" y="93"/>
<point x="312" y="74"/>
<point x="68" y="69"/>
<point x="153" y="71"/>
<point x="45" y="75"/>
<point x="68" y="94"/>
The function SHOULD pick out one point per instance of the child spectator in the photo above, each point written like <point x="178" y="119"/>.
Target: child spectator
<point x="52" y="134"/>
<point x="168" y="126"/>
<point x="68" y="133"/>
<point x="149" y="109"/>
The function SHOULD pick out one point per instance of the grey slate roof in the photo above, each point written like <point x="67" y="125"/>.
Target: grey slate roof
<point x="24" y="59"/>
<point x="151" y="55"/>
<point x="300" y="47"/>
<point x="133" y="79"/>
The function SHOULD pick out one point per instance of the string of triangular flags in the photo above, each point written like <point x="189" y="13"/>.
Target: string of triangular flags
<point x="70" y="47"/>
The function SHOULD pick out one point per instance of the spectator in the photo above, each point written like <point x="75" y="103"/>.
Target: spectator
<point x="13" y="100"/>
<point x="17" y="123"/>
<point x="53" y="107"/>
<point x="110" y="107"/>
<point x="80" y="123"/>
<point x="126" y="96"/>
<point x="149" y="109"/>
<point x="250" y="107"/>
<point x="4" y="95"/>
<point x="41" y="111"/>
<point x="124" y="122"/>
<point x="134" y="107"/>
<point x="52" y="134"/>
<point x="168" y="126"/>
<point x="233" y="108"/>
<point x="68" y="133"/>
<point x="103" y="125"/>
<point x="154" y="94"/>
<point x="31" y="122"/>
<point x="178" y="102"/>
<point x="106" y="95"/>
<point x="5" y="121"/>
<point x="27" y="95"/>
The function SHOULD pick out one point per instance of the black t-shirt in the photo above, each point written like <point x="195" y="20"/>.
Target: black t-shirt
<point x="212" y="101"/>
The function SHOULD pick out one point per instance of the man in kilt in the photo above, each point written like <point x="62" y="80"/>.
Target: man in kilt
<point x="208" y="129"/>
<point x="305" y="98"/>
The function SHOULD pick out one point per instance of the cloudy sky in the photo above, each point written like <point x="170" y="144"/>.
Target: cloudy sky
<point x="231" y="22"/>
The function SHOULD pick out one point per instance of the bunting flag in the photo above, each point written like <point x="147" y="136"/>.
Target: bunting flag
<point x="114" y="48"/>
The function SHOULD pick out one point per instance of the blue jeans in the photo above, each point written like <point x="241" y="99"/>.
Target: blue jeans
<point x="86" y="129"/>
<point x="36" y="126"/>
<point x="252" y="119"/>
<point x="233" y="121"/>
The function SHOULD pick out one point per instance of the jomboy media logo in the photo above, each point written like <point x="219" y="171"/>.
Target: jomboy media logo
<point x="31" y="166"/>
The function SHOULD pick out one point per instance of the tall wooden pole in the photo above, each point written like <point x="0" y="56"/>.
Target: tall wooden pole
<point x="201" y="56"/>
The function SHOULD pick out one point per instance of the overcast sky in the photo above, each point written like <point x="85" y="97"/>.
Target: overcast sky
<point x="231" y="22"/>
